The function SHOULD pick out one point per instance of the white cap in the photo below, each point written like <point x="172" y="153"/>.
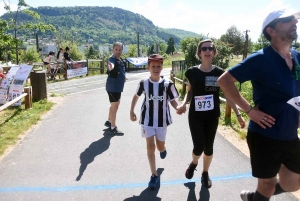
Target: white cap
<point x="279" y="14"/>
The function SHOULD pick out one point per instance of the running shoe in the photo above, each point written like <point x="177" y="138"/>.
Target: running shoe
<point x="115" y="131"/>
<point x="205" y="180"/>
<point x="189" y="173"/>
<point x="246" y="195"/>
<point x="153" y="182"/>
<point x="163" y="154"/>
<point x="107" y="124"/>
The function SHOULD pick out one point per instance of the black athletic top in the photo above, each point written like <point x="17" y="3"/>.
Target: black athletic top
<point x="205" y="91"/>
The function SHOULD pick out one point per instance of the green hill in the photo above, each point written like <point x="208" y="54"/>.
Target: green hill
<point x="102" y="24"/>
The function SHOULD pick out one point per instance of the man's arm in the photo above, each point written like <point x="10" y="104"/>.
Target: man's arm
<point x="226" y="82"/>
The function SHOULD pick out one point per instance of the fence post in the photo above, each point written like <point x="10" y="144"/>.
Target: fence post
<point x="87" y="66"/>
<point x="102" y="66"/>
<point x="172" y="76"/>
<point x="28" y="98"/>
<point x="227" y="111"/>
<point x="39" y="85"/>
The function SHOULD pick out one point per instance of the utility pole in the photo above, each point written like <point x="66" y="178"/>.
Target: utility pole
<point x="246" y="46"/>
<point x="37" y="42"/>
<point x="138" y="44"/>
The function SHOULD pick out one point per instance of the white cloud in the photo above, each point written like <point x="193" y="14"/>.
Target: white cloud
<point x="201" y="20"/>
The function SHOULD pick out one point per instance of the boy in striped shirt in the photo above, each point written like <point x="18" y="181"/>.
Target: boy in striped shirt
<point x="155" y="112"/>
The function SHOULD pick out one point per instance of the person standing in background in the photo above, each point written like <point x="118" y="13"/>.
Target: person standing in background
<point x="114" y="85"/>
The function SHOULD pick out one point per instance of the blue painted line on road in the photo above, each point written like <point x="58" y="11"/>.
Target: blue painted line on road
<point x="115" y="186"/>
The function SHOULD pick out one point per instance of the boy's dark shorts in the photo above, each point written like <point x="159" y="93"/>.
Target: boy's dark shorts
<point x="267" y="155"/>
<point x="114" y="96"/>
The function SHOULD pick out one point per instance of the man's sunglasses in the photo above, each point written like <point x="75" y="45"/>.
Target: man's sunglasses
<point x="207" y="48"/>
<point x="283" y="20"/>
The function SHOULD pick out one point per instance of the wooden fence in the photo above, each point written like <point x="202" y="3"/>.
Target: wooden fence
<point x="28" y="99"/>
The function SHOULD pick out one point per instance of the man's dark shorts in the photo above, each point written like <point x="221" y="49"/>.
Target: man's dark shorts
<point x="268" y="154"/>
<point x="114" y="96"/>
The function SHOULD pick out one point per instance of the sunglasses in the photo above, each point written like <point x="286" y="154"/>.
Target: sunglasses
<point x="283" y="20"/>
<point x="207" y="48"/>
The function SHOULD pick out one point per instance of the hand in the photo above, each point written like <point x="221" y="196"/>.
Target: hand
<point x="110" y="65"/>
<point x="132" y="116"/>
<point x="261" y="118"/>
<point x="241" y="121"/>
<point x="181" y="109"/>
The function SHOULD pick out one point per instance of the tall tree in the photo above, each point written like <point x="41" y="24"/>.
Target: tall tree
<point x="5" y="39"/>
<point x="170" y="47"/>
<point x="235" y="39"/>
<point x="15" y="25"/>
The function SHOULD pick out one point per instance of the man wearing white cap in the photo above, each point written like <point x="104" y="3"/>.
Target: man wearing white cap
<point x="272" y="132"/>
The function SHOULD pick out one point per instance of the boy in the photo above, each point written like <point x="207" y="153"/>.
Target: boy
<point x="155" y="111"/>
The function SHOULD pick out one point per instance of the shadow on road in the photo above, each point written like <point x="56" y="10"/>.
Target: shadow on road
<point x="89" y="154"/>
<point x="204" y="192"/>
<point x="148" y="194"/>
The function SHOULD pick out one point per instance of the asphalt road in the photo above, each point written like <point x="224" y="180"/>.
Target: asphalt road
<point x="70" y="156"/>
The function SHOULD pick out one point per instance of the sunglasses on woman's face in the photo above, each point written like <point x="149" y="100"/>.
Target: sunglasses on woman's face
<point x="207" y="48"/>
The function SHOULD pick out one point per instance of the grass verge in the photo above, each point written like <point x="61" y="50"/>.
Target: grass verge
<point x="14" y="121"/>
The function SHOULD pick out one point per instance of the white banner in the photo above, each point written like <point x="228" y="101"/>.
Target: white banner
<point x="140" y="61"/>
<point x="76" y="69"/>
<point x="6" y="83"/>
<point x="17" y="86"/>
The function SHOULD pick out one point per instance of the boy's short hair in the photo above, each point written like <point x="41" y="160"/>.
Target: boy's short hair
<point x="155" y="57"/>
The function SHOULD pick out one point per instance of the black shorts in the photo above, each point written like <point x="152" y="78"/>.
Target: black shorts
<point x="267" y="155"/>
<point x="114" y="96"/>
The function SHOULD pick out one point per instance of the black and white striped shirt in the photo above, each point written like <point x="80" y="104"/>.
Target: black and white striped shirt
<point x="155" y="110"/>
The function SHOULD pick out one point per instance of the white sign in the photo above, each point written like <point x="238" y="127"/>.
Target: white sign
<point x="6" y="83"/>
<point x="17" y="85"/>
<point x="295" y="102"/>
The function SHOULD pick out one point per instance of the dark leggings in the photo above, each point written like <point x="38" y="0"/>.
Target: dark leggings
<point x="203" y="133"/>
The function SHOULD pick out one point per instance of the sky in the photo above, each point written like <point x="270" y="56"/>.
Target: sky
<point x="211" y="18"/>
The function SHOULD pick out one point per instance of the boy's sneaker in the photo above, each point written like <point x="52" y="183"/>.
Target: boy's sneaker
<point x="205" y="180"/>
<point x="153" y="182"/>
<point x="163" y="154"/>
<point x="107" y="124"/>
<point x="247" y="195"/>
<point x="115" y="131"/>
<point x="189" y="173"/>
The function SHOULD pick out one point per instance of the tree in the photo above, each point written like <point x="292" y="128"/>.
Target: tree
<point x="189" y="46"/>
<point x="14" y="25"/>
<point x="91" y="53"/>
<point x="223" y="57"/>
<point x="5" y="39"/>
<point x="170" y="47"/>
<point x="261" y="43"/>
<point x="235" y="39"/>
<point x="132" y="51"/>
<point x="31" y="55"/>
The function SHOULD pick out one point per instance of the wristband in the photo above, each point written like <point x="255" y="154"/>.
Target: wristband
<point x="239" y="114"/>
<point x="249" y="110"/>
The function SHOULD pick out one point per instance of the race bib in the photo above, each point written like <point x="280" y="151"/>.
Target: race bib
<point x="295" y="102"/>
<point x="204" y="103"/>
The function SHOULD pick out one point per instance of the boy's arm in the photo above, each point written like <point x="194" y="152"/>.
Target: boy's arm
<point x="174" y="104"/>
<point x="133" y="103"/>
